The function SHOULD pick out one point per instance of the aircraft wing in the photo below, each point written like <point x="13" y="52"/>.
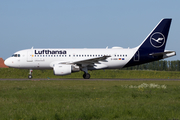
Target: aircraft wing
<point x="84" y="62"/>
<point x="90" y="61"/>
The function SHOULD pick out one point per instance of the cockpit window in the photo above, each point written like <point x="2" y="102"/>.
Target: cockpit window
<point x="16" y="55"/>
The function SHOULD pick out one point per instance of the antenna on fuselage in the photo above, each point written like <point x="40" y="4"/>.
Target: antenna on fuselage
<point x="32" y="47"/>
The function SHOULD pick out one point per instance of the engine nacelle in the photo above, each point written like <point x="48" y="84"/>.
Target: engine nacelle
<point x="62" y="69"/>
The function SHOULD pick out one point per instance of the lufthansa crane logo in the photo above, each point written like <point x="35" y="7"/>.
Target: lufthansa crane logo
<point x="157" y="39"/>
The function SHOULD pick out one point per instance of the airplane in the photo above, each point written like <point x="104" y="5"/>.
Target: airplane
<point x="65" y="61"/>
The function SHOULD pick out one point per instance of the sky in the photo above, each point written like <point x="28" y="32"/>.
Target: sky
<point x="84" y="24"/>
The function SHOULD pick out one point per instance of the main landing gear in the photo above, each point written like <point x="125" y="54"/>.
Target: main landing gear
<point x="30" y="73"/>
<point x="86" y="75"/>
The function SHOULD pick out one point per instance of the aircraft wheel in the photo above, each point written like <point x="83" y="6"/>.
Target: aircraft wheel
<point x="86" y="75"/>
<point x="30" y="76"/>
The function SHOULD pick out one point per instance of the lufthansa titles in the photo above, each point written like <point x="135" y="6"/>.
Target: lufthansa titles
<point x="50" y="51"/>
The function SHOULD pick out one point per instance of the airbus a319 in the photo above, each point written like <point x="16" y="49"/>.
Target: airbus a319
<point x="65" y="61"/>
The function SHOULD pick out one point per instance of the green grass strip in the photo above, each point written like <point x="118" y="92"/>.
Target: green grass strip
<point x="85" y="100"/>
<point x="20" y="73"/>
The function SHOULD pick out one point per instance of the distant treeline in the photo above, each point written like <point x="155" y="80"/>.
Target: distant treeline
<point x="158" y="65"/>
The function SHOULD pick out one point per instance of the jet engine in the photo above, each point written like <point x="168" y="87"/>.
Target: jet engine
<point x="64" y="69"/>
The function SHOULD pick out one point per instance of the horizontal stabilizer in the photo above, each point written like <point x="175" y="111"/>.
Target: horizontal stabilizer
<point x="165" y="54"/>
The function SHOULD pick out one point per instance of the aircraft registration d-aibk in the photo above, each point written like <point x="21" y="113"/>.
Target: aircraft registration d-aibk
<point x="65" y="61"/>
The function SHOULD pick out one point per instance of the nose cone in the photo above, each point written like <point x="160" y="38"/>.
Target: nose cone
<point x="12" y="62"/>
<point x="7" y="62"/>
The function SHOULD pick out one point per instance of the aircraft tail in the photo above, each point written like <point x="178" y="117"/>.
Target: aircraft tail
<point x="152" y="48"/>
<point x="156" y="40"/>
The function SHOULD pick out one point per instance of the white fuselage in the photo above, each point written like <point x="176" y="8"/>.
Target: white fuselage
<point x="45" y="58"/>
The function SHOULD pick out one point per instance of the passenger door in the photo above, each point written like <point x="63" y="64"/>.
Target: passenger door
<point x="30" y="56"/>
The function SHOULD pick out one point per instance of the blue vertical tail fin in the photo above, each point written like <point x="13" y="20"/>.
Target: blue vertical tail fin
<point x="152" y="48"/>
<point x="156" y="40"/>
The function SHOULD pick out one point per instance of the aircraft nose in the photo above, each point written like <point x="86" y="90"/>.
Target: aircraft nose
<point x="7" y="62"/>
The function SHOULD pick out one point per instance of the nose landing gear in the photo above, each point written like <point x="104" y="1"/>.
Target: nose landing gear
<point x="30" y="74"/>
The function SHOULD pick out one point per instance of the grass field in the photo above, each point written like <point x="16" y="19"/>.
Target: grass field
<point x="85" y="100"/>
<point x="21" y="73"/>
